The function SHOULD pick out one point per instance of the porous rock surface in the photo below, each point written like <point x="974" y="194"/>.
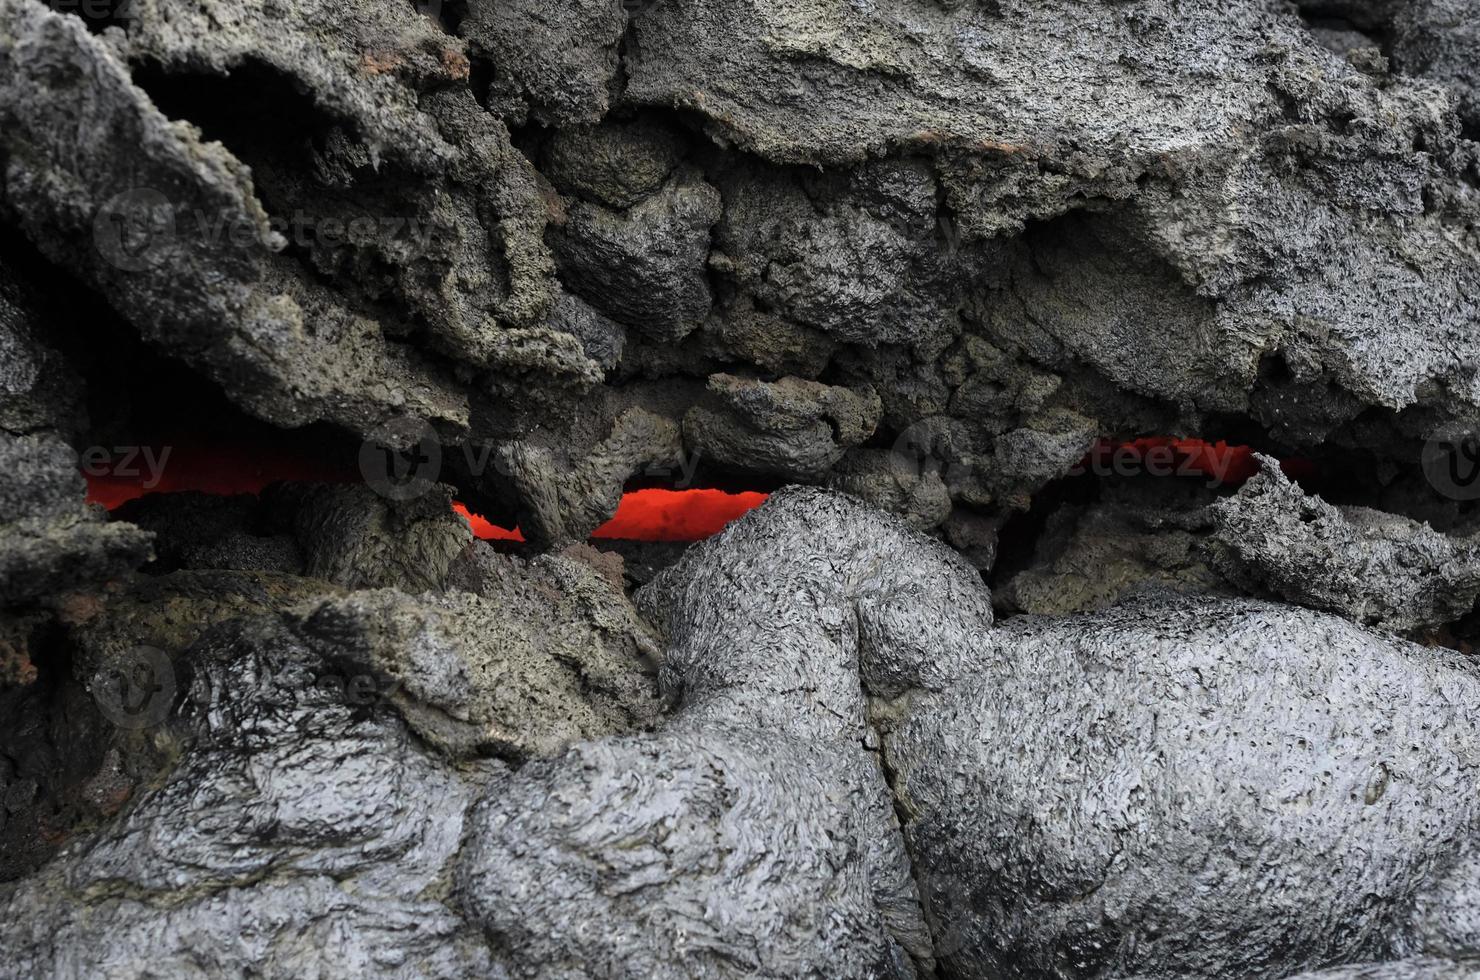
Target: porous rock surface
<point x="1368" y="565"/>
<point x="1020" y="224"/>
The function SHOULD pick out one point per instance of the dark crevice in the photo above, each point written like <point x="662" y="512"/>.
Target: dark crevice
<point x="1018" y="540"/>
<point x="257" y="112"/>
<point x="97" y="15"/>
<point x="1343" y="26"/>
<point x="448" y="15"/>
<point x="480" y="78"/>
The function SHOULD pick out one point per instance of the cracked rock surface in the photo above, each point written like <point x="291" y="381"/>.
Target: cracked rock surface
<point x="1020" y="224"/>
<point x="954" y="703"/>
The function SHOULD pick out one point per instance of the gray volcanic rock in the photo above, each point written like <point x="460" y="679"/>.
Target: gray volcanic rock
<point x="39" y="388"/>
<point x="1091" y="557"/>
<point x="355" y="538"/>
<point x="562" y="494"/>
<point x="1375" y="568"/>
<point x="812" y="81"/>
<point x="226" y="302"/>
<point x="1191" y="787"/>
<point x="558" y="58"/>
<point x="298" y="834"/>
<point x="1437" y="39"/>
<point x="544" y="656"/>
<point x="644" y="267"/>
<point x="790" y="428"/>
<point x="861" y="257"/>
<point x="1020" y="870"/>
<point x="52" y="542"/>
<point x="1022" y="224"/>
<point x="893" y="482"/>
<point x="208" y="532"/>
<point x="1417" y="968"/>
<point x="757" y="825"/>
<point x="925" y="251"/>
<point x="1169" y="788"/>
<point x="618" y="165"/>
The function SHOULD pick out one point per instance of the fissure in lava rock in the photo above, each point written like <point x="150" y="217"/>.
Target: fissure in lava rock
<point x="740" y="488"/>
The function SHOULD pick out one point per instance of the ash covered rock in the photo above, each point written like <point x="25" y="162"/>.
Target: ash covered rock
<point x="1372" y="567"/>
<point x="1182" y="786"/>
<point x="51" y="541"/>
<point x="1231" y="221"/>
<point x="227" y="303"/>
<point x="170" y="612"/>
<point x="556" y="61"/>
<point x="645" y="266"/>
<point x="561" y="492"/>
<point x="345" y="534"/>
<point x="356" y="538"/>
<point x="39" y="387"/>
<point x="1437" y="39"/>
<point x="211" y="532"/>
<point x="615" y="164"/>
<point x="894" y="482"/>
<point x="1417" y="968"/>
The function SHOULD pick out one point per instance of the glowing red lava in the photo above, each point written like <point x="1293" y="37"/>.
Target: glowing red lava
<point x="650" y="515"/>
<point x="116" y="476"/>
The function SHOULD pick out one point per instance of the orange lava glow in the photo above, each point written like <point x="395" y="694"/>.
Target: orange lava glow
<point x="650" y="515"/>
<point x="643" y="515"/>
<point x="115" y="477"/>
